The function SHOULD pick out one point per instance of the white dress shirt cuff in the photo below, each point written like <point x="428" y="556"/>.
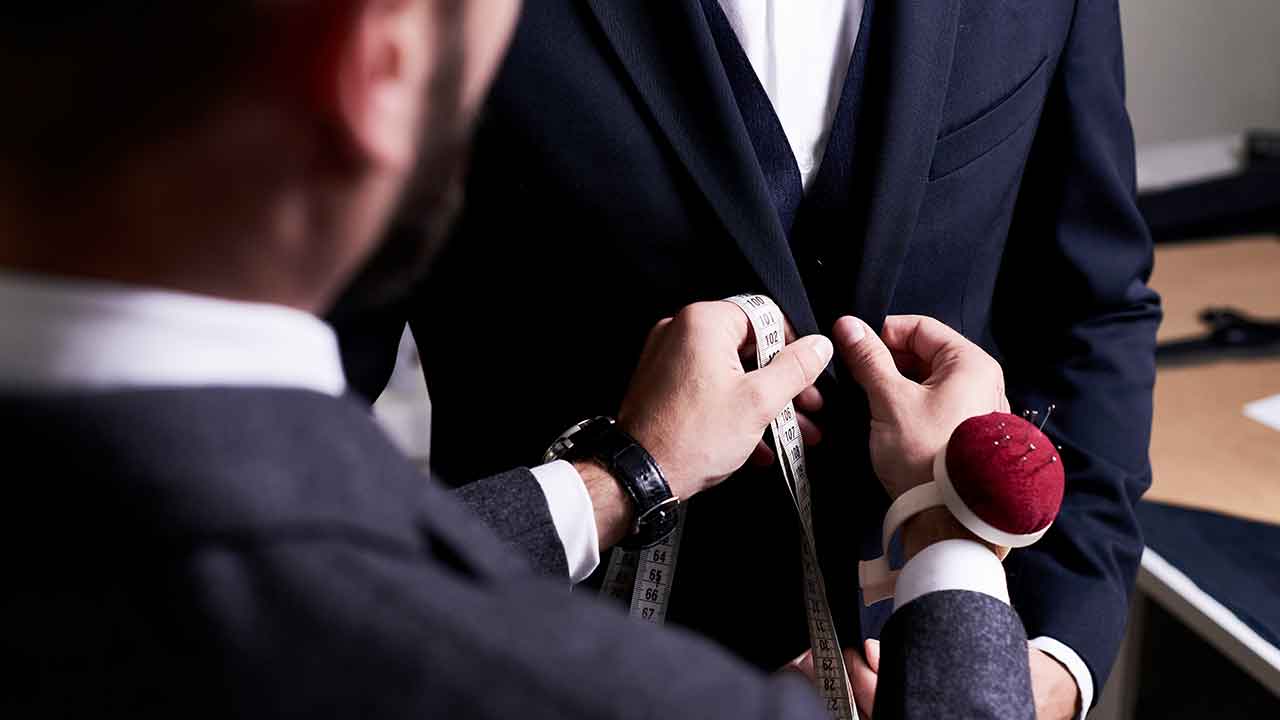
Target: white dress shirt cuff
<point x="573" y="516"/>
<point x="1074" y="665"/>
<point x="952" y="565"/>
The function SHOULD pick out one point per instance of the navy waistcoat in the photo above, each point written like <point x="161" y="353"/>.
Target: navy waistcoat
<point x="823" y="225"/>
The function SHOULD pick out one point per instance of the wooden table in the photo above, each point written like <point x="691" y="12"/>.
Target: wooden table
<point x="1205" y="453"/>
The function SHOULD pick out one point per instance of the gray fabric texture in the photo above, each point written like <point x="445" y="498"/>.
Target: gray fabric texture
<point x="514" y="507"/>
<point x="261" y="554"/>
<point x="954" y="654"/>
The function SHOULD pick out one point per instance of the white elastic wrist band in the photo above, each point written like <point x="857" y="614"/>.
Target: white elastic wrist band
<point x="876" y="577"/>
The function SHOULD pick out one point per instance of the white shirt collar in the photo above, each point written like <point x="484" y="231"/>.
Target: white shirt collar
<point x="62" y="334"/>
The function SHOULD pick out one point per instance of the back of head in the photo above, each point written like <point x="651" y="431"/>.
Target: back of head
<point x="88" y="80"/>
<point x="143" y="140"/>
<point x="245" y="148"/>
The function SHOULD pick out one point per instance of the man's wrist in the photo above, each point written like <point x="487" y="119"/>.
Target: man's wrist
<point x="1081" y="684"/>
<point x="935" y="525"/>
<point x="613" y="509"/>
<point x="620" y="463"/>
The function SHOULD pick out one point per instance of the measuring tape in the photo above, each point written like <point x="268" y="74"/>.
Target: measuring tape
<point x="644" y="577"/>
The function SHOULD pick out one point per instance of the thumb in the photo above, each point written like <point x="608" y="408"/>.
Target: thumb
<point x="867" y="358"/>
<point x="793" y="369"/>
<point x="872" y="648"/>
<point x="864" y="681"/>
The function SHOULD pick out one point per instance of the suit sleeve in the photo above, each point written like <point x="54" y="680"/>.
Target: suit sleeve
<point x="332" y="628"/>
<point x="514" y="507"/>
<point x="1075" y="326"/>
<point x="954" y="654"/>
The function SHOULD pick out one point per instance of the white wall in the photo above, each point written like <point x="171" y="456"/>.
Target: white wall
<point x="1201" y="67"/>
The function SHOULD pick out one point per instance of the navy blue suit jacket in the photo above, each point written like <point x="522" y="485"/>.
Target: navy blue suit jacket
<point x="613" y="182"/>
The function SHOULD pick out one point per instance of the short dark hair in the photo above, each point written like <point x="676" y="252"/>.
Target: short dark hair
<point x="83" y="79"/>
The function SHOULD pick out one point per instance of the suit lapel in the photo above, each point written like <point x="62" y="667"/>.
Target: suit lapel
<point x="667" y="51"/>
<point x="920" y="41"/>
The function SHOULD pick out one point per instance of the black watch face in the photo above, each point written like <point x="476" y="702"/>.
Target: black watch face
<point x="558" y="449"/>
<point x="575" y="437"/>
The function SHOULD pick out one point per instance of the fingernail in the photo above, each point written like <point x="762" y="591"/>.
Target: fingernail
<point x="823" y="348"/>
<point x="857" y="331"/>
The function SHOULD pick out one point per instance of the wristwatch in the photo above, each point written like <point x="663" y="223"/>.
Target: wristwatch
<point x="657" y="511"/>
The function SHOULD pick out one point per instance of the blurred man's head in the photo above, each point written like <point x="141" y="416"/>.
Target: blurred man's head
<point x="245" y="148"/>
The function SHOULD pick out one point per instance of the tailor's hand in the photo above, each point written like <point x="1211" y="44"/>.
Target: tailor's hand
<point x="911" y="421"/>
<point x="863" y="673"/>
<point x="693" y="406"/>
<point x="1055" y="690"/>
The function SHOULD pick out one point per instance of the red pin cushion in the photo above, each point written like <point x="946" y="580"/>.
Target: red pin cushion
<point x="1006" y="476"/>
<point x="998" y="475"/>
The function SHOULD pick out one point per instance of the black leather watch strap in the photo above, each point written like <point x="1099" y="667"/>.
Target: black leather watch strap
<point x="656" y="509"/>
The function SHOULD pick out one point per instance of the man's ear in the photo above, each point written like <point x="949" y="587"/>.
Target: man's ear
<point x="374" y="85"/>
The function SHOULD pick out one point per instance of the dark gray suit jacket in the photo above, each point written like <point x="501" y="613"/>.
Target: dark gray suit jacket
<point x="254" y="553"/>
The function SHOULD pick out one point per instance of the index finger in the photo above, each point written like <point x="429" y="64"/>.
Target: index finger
<point x="926" y="338"/>
<point x="717" y="322"/>
<point x="744" y="332"/>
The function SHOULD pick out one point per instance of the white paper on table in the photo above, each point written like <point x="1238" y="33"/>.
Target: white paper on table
<point x="1265" y="411"/>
